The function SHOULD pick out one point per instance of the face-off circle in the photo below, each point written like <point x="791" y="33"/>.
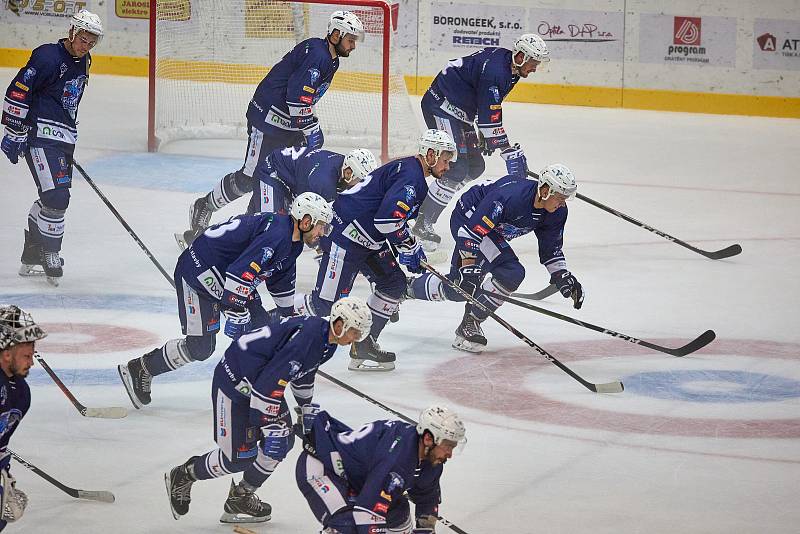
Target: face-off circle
<point x="81" y="338"/>
<point x="498" y="383"/>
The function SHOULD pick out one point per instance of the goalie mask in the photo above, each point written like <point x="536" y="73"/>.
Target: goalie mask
<point x="560" y="180"/>
<point x="16" y="327"/>
<point x="88" y="22"/>
<point x="314" y="206"/>
<point x="354" y="313"/>
<point x="532" y="47"/>
<point x="362" y="162"/>
<point x="443" y="424"/>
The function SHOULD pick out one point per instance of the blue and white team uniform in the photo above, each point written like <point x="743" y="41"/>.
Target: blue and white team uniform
<point x="281" y="113"/>
<point x="468" y="90"/>
<point x="42" y="100"/>
<point x="15" y="400"/>
<point x="220" y="271"/>
<point x="367" y="219"/>
<point x="486" y="217"/>
<point x="288" y="172"/>
<point x="248" y="394"/>
<point x="355" y="481"/>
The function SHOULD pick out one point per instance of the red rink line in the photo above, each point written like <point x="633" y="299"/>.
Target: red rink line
<point x="496" y="383"/>
<point x="94" y="338"/>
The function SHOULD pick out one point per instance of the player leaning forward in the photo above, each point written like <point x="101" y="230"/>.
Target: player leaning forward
<point x="18" y="336"/>
<point x="486" y="217"/>
<point x="220" y="272"/>
<point x="471" y="90"/>
<point x="40" y="113"/>
<point x="281" y="113"/>
<point x="252" y="420"/>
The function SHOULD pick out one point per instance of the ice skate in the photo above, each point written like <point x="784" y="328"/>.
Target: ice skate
<point x="199" y="216"/>
<point x="428" y="237"/>
<point x="367" y="355"/>
<point x="137" y="381"/>
<point x="244" y="506"/>
<point x="469" y="335"/>
<point x="179" y="487"/>
<point x="53" y="267"/>
<point x="31" y="258"/>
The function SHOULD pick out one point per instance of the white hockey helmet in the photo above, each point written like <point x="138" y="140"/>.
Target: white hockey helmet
<point x="346" y="22"/>
<point x="89" y="22"/>
<point x="560" y="179"/>
<point x="314" y="206"/>
<point x="354" y="313"/>
<point x="362" y="162"/>
<point x="17" y="326"/>
<point x="532" y="47"/>
<point x="443" y="424"/>
<point x="439" y="141"/>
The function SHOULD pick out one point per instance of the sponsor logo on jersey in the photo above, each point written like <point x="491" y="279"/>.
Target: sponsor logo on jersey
<point x="480" y="230"/>
<point x="455" y="111"/>
<point x="242" y="387"/>
<point x="403" y="205"/>
<point x="380" y="508"/>
<point x="256" y="267"/>
<point x="399" y="214"/>
<point x="282" y="382"/>
<point x="495" y="106"/>
<point x="13" y="110"/>
<point x="246" y="451"/>
<point x="242" y="290"/>
<point x="338" y="465"/>
<point x="22" y="86"/>
<point x="277" y="394"/>
<point x="383" y="493"/>
<point x="212" y="325"/>
<point x="278" y="121"/>
<point x="488" y="221"/>
<point x="320" y="485"/>
<point x="494" y="117"/>
<point x="210" y="282"/>
<point x="308" y="89"/>
<point x="247" y="275"/>
<point x="495" y="92"/>
<point x="306" y="100"/>
<point x="18" y="95"/>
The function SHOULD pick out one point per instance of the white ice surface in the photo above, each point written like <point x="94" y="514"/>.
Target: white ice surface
<point x="544" y="454"/>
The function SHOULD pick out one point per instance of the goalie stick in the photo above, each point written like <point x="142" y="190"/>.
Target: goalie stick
<point x="726" y="252"/>
<point x="696" y="344"/>
<point x="609" y="387"/>
<point x="114" y="412"/>
<point x="102" y="496"/>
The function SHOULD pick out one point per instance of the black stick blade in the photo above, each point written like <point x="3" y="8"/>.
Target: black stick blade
<point x="698" y="343"/>
<point x="726" y="252"/>
<point x="539" y="295"/>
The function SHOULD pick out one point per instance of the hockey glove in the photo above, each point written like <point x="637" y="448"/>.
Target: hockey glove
<point x="411" y="254"/>
<point x="14" y="143"/>
<point x="237" y="323"/>
<point x="516" y="163"/>
<point x="276" y="441"/>
<point x="569" y="286"/>
<point x="314" y="137"/>
<point x="12" y="500"/>
<point x="469" y="278"/>
<point x="309" y="412"/>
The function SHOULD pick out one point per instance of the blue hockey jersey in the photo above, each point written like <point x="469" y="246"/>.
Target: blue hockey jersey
<point x="44" y="97"/>
<point x="380" y="461"/>
<point x="15" y="400"/>
<point x="303" y="170"/>
<point x="505" y="208"/>
<point x="472" y="89"/>
<point x="378" y="208"/>
<point x="258" y="366"/>
<point x="284" y="98"/>
<point x="228" y="260"/>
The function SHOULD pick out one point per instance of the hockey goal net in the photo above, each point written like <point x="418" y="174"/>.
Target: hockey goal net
<point x="208" y="56"/>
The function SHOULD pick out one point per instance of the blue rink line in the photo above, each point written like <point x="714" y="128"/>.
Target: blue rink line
<point x="746" y="386"/>
<point x="192" y="372"/>
<point x="167" y="172"/>
<point x="105" y="301"/>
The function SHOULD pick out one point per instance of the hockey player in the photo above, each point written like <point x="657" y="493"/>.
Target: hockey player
<point x="219" y="272"/>
<point x="40" y="116"/>
<point x="471" y="90"/>
<point x="252" y="421"/>
<point x="287" y="172"/>
<point x="355" y="481"/>
<point x="281" y="113"/>
<point x="369" y="219"/>
<point x="486" y="217"/>
<point x="18" y="337"/>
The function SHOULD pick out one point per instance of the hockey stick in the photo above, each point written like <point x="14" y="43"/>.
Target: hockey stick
<point x="696" y="344"/>
<point x="123" y="222"/>
<point x="609" y="387"/>
<point x="105" y="413"/>
<point x="102" y="496"/>
<point x="404" y="417"/>
<point x="726" y="252"/>
<point x="539" y="295"/>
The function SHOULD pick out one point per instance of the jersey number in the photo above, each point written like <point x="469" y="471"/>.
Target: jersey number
<point x="349" y="437"/>
<point x="220" y="229"/>
<point x="262" y="333"/>
<point x="295" y="153"/>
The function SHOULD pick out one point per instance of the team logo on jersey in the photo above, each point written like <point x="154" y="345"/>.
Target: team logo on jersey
<point x="72" y="94"/>
<point x="29" y="74"/>
<point x="266" y="254"/>
<point x="63" y="70"/>
<point x="395" y="482"/>
<point x="411" y="193"/>
<point x="8" y="420"/>
<point x="495" y="92"/>
<point x="497" y="210"/>
<point x="313" y="75"/>
<point x="294" y="368"/>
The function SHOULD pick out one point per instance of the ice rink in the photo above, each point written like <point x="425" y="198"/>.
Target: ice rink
<point x="707" y="443"/>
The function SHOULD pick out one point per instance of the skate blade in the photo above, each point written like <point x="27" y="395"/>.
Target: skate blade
<point x="242" y="518"/>
<point x="53" y="280"/>
<point x="369" y="365"/>
<point x="175" y="514"/>
<point x="128" y="383"/>
<point x="467" y="346"/>
<point x="181" y="241"/>
<point x="31" y="270"/>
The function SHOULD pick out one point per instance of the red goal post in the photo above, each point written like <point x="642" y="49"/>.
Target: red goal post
<point x="207" y="57"/>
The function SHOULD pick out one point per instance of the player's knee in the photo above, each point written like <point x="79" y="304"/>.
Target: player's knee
<point x="509" y="276"/>
<point x="200" y="348"/>
<point x="458" y="171"/>
<point x="55" y="201"/>
<point x="242" y="182"/>
<point x="392" y="284"/>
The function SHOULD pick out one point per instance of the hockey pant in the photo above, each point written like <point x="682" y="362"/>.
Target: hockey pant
<point x="338" y="270"/>
<point x="51" y="169"/>
<point x="469" y="165"/>
<point x="493" y="254"/>
<point x="270" y="193"/>
<point x="259" y="146"/>
<point x="237" y="439"/>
